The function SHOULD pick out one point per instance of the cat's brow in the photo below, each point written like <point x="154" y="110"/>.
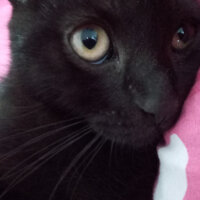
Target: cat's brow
<point x="108" y="6"/>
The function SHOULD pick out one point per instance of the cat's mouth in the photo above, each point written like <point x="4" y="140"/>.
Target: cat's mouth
<point x="136" y="130"/>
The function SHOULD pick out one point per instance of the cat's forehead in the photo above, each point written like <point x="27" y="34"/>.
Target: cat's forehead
<point x="129" y="14"/>
<point x="115" y="9"/>
<point x="116" y="6"/>
<point x="110" y="5"/>
<point x="129" y="8"/>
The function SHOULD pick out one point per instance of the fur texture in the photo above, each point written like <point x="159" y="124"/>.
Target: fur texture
<point x="74" y="130"/>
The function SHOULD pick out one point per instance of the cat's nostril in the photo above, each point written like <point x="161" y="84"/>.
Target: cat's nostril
<point x="162" y="107"/>
<point x="148" y="105"/>
<point x="151" y="106"/>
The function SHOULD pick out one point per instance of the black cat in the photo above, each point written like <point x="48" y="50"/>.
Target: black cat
<point x="92" y="88"/>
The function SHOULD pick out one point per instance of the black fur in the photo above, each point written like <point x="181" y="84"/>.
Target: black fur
<point x="127" y="102"/>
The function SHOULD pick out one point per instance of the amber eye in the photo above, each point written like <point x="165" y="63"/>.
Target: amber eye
<point x="184" y="36"/>
<point x="91" y="43"/>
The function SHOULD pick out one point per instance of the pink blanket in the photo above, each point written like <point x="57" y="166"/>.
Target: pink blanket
<point x="179" y="177"/>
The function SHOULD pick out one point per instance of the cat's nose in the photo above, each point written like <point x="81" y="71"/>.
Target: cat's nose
<point x="156" y="96"/>
<point x="155" y="104"/>
<point x="163" y="108"/>
<point x="149" y="104"/>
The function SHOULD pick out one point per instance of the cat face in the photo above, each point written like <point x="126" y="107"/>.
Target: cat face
<point x="126" y="67"/>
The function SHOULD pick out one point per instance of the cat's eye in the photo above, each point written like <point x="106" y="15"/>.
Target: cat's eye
<point x="183" y="36"/>
<point x="91" y="43"/>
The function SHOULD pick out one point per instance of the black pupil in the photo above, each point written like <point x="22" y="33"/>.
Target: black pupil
<point x="89" y="38"/>
<point x="182" y="35"/>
